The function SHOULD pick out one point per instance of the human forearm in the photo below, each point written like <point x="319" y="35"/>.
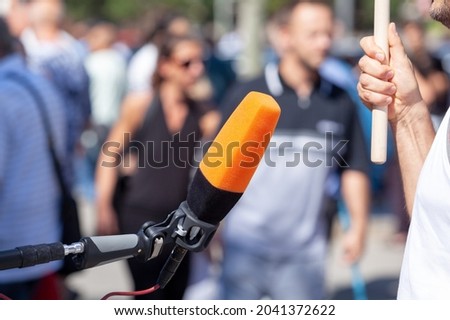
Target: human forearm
<point x="356" y="194"/>
<point x="105" y="183"/>
<point x="413" y="134"/>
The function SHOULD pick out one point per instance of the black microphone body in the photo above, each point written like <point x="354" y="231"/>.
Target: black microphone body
<point x="223" y="175"/>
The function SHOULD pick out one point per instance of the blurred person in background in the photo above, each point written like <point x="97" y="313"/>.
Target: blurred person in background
<point x="433" y="81"/>
<point x="276" y="43"/>
<point x="275" y="238"/>
<point x="106" y="68"/>
<point x="15" y="13"/>
<point x="220" y="72"/>
<point x="55" y="54"/>
<point x="29" y="189"/>
<point x="143" y="63"/>
<point x="155" y="140"/>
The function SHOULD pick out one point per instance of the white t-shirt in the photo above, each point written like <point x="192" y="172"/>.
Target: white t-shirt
<point x="106" y="70"/>
<point x="141" y="68"/>
<point x="425" y="272"/>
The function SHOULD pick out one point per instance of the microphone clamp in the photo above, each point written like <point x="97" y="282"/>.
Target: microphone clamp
<point x="192" y="233"/>
<point x="184" y="228"/>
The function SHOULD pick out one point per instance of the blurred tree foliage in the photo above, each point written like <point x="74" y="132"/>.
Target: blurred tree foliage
<point x="198" y="10"/>
<point x="129" y="10"/>
<point x="364" y="13"/>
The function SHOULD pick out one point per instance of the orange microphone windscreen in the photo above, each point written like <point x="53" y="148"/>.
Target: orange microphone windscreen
<point x="233" y="157"/>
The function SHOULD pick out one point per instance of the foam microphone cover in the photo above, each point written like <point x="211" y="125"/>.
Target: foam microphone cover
<point x="233" y="157"/>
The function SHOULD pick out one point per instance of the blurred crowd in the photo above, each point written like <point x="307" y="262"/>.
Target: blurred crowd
<point x="116" y="96"/>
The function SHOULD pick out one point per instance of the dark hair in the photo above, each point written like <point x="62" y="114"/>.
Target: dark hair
<point x="291" y="5"/>
<point x="166" y="50"/>
<point x="281" y="16"/>
<point x="294" y="3"/>
<point x="162" y="25"/>
<point x="7" y="41"/>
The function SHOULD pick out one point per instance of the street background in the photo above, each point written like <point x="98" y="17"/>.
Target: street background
<point x="244" y="20"/>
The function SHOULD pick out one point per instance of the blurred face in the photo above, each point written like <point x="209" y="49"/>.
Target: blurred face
<point x="185" y="66"/>
<point x="440" y="11"/>
<point x="46" y="12"/>
<point x="310" y="34"/>
<point x="16" y="16"/>
<point x="101" y="37"/>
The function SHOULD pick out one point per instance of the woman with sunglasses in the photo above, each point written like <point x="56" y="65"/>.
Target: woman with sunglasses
<point x="154" y="143"/>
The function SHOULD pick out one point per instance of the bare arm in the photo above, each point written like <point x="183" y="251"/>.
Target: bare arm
<point x="109" y="161"/>
<point x="209" y="124"/>
<point x="395" y="84"/>
<point x="356" y="194"/>
<point x="413" y="135"/>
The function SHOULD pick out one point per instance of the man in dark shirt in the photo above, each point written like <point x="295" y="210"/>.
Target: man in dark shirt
<point x="275" y="239"/>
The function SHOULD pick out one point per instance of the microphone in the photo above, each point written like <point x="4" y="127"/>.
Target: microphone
<point x="223" y="175"/>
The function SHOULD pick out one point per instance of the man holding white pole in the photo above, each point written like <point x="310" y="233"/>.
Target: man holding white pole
<point x="424" y="159"/>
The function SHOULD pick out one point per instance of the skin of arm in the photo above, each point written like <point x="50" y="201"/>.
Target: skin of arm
<point x="356" y="194"/>
<point x="133" y="111"/>
<point x="209" y="124"/>
<point x="395" y="85"/>
<point x="413" y="135"/>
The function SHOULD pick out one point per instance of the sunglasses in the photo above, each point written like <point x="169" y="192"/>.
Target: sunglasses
<point x="186" y="64"/>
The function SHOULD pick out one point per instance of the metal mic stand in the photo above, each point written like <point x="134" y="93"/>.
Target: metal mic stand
<point x="181" y="228"/>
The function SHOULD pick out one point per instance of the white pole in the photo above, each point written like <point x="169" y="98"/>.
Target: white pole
<point x="379" y="113"/>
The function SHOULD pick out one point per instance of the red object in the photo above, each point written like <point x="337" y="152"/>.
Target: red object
<point x="49" y="288"/>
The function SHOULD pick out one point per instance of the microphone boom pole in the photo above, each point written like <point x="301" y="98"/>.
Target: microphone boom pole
<point x="99" y="250"/>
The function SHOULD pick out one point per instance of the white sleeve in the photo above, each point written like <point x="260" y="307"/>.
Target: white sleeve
<point x="141" y="68"/>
